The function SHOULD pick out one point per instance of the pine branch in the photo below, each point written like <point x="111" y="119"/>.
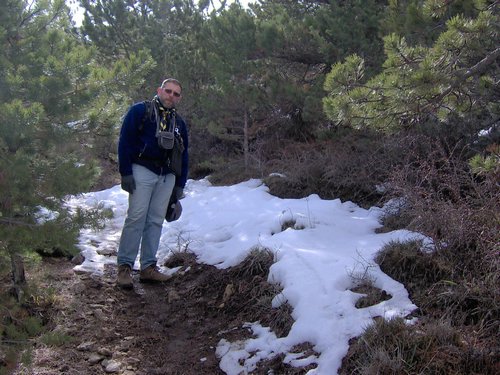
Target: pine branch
<point x="463" y="74"/>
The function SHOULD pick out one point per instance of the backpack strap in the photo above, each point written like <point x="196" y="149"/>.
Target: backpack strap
<point x="147" y="113"/>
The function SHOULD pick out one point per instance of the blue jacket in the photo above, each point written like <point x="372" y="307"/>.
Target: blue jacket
<point x="141" y="146"/>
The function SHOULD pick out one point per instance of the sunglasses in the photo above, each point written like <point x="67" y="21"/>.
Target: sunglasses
<point x="176" y="94"/>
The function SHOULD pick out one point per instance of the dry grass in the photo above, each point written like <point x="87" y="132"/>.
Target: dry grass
<point x="373" y="295"/>
<point x="439" y="290"/>
<point x="277" y="364"/>
<point x="256" y="263"/>
<point x="255" y="294"/>
<point x="242" y="290"/>
<point x="180" y="259"/>
<point x="394" y="347"/>
<point x="458" y="329"/>
<point x="407" y="263"/>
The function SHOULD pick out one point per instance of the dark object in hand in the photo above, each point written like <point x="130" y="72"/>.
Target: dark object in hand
<point x="177" y="194"/>
<point x="128" y="183"/>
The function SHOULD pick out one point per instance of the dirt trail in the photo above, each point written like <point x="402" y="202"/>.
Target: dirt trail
<point x="169" y="329"/>
<point x="153" y="329"/>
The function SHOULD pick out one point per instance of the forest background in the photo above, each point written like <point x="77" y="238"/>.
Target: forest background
<point x="365" y="101"/>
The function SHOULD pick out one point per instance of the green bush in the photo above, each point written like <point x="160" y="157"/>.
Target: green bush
<point x="55" y="339"/>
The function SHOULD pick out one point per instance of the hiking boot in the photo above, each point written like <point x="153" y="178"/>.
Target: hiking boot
<point x="124" y="279"/>
<point x="152" y="274"/>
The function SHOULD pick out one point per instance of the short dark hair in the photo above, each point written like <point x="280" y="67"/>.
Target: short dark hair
<point x="173" y="80"/>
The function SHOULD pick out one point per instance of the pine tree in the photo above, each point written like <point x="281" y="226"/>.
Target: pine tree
<point x="456" y="76"/>
<point x="303" y="38"/>
<point x="48" y="81"/>
<point x="37" y="166"/>
<point x="421" y="22"/>
<point x="233" y="60"/>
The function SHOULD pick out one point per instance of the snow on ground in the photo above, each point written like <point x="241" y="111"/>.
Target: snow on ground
<point x="329" y="246"/>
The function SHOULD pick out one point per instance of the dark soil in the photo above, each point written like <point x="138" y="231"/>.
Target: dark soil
<point x="172" y="328"/>
<point x="152" y="329"/>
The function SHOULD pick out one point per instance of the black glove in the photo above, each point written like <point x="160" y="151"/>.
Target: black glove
<point x="177" y="193"/>
<point x="128" y="183"/>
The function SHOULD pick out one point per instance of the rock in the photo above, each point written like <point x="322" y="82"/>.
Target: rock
<point x="228" y="292"/>
<point x="85" y="346"/>
<point x="99" y="314"/>
<point x="111" y="366"/>
<point x="106" y="252"/>
<point x="173" y="296"/>
<point x="78" y="259"/>
<point x="95" y="358"/>
<point x="64" y="368"/>
<point x="133" y="361"/>
<point x="105" y="352"/>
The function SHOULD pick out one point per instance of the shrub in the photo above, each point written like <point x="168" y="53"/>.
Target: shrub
<point x="349" y="166"/>
<point x="447" y="201"/>
<point x="232" y="172"/>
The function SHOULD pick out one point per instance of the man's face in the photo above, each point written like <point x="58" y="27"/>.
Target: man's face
<point x="169" y="94"/>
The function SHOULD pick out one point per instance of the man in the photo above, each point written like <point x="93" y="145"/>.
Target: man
<point x="147" y="175"/>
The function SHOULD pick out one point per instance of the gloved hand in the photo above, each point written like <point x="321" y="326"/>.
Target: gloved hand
<point x="128" y="183"/>
<point x="177" y="193"/>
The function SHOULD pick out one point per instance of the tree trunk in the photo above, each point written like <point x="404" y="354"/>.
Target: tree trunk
<point x="245" y="139"/>
<point x="18" y="276"/>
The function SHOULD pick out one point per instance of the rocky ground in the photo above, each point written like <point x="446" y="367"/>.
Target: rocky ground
<point x="153" y="329"/>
